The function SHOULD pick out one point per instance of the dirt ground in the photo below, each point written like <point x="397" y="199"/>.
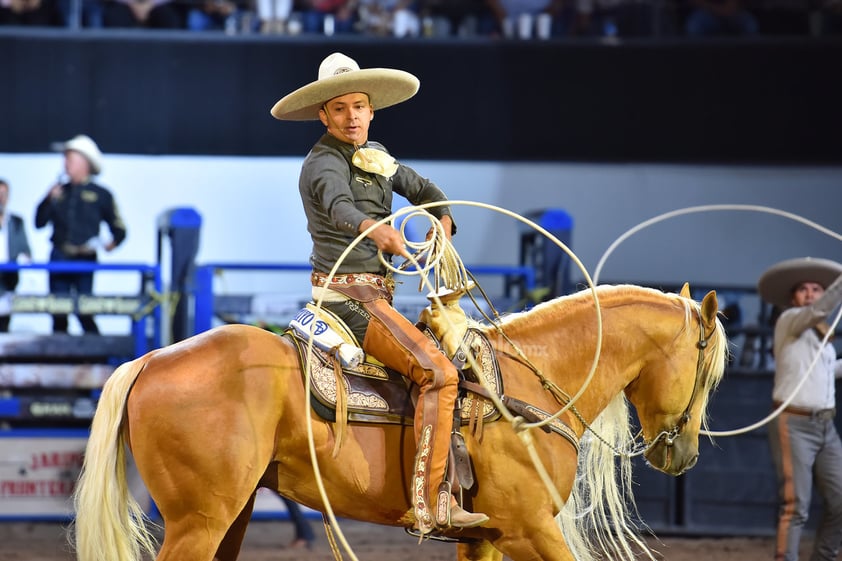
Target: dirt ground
<point x="266" y="541"/>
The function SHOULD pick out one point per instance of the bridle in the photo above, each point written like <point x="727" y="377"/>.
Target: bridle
<point x="669" y="436"/>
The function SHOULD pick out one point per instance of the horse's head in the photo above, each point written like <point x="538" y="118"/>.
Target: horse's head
<point x="671" y="393"/>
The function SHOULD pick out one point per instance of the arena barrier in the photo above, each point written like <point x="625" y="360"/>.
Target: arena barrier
<point x="516" y="284"/>
<point x="49" y="386"/>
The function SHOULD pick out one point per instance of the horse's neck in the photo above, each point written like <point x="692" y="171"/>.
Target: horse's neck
<point x="561" y="343"/>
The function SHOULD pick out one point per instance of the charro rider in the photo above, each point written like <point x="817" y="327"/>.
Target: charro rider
<point x="346" y="185"/>
<point x="805" y="445"/>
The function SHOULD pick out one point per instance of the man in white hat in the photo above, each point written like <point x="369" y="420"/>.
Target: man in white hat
<point x="76" y="208"/>
<point x="805" y="445"/>
<point x="346" y="185"/>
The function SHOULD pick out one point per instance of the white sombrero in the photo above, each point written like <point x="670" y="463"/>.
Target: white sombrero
<point x="776" y="284"/>
<point x="340" y="75"/>
<point x="84" y="145"/>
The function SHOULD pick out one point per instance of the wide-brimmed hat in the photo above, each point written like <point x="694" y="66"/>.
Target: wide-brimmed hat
<point x="84" y="145"/>
<point x="777" y="283"/>
<point x="340" y="75"/>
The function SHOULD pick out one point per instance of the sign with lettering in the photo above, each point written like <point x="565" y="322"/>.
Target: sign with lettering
<point x="38" y="475"/>
<point x="81" y="304"/>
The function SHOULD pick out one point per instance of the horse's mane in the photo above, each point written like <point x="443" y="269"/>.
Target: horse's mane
<point x="565" y="306"/>
<point x="598" y="516"/>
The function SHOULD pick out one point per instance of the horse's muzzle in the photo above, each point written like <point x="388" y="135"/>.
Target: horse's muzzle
<point x="672" y="459"/>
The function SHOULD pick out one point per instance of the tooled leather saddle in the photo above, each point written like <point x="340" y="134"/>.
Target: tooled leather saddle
<point x="377" y="394"/>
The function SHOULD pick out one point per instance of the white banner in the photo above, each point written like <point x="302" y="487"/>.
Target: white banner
<point x="38" y="475"/>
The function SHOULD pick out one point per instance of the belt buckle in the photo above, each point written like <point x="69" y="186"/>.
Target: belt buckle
<point x="825" y="414"/>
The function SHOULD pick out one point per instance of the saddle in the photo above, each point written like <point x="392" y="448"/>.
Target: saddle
<point x="377" y="394"/>
<point x="374" y="393"/>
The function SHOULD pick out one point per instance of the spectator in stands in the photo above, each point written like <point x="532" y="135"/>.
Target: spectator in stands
<point x="719" y="17"/>
<point x="346" y="185"/>
<point x="613" y="18"/>
<point x="27" y="12"/>
<point x="340" y="16"/>
<point x="805" y="446"/>
<point x="84" y="13"/>
<point x="389" y="17"/>
<point x="76" y="208"/>
<point x="273" y="15"/>
<point x="14" y="248"/>
<point x="510" y="13"/>
<point x="217" y="15"/>
<point x="463" y="18"/>
<point x="156" y="14"/>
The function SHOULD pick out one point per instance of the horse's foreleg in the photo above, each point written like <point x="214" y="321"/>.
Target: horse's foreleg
<point x="477" y="551"/>
<point x="229" y="549"/>
<point x="540" y="540"/>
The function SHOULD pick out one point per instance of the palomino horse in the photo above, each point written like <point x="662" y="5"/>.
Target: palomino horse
<point x="210" y="419"/>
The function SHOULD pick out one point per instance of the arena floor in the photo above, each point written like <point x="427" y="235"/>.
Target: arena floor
<point x="266" y="541"/>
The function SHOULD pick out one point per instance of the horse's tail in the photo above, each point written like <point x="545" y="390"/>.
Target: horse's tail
<point x="110" y="525"/>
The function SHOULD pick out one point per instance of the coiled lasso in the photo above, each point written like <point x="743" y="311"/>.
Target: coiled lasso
<point x="439" y="257"/>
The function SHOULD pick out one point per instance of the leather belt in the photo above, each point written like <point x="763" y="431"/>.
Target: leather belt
<point x="348" y="279"/>
<point x="818" y="414"/>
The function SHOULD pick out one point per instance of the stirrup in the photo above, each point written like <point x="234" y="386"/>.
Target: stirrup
<point x="455" y="516"/>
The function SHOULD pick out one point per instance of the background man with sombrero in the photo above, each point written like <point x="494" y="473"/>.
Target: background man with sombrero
<point x="346" y="185"/>
<point x="76" y="208"/>
<point x="805" y="445"/>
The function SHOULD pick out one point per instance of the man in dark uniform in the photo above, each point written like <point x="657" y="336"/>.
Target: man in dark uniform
<point x="76" y="209"/>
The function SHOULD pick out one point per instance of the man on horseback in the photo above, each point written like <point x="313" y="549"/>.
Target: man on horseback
<point x="346" y="186"/>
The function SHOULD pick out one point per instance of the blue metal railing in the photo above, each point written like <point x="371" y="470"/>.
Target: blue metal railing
<point x="204" y="297"/>
<point x="148" y="273"/>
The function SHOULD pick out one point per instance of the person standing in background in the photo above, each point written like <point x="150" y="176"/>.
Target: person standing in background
<point x="804" y="443"/>
<point x="304" y="536"/>
<point x="76" y="208"/>
<point x="14" y="247"/>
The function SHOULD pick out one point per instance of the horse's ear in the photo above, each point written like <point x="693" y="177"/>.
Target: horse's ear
<point x="685" y="291"/>
<point x="710" y="307"/>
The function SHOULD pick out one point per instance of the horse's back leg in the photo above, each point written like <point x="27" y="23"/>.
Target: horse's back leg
<point x="477" y="551"/>
<point x="229" y="549"/>
<point x="198" y="537"/>
<point x="192" y="538"/>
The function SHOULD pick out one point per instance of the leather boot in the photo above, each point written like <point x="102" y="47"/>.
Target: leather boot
<point x="398" y="344"/>
<point x="461" y="518"/>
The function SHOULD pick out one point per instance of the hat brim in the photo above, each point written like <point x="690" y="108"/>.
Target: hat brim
<point x="384" y="86"/>
<point x="776" y="284"/>
<point x="93" y="159"/>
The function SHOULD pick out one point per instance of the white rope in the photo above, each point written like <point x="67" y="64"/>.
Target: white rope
<point x="733" y="207"/>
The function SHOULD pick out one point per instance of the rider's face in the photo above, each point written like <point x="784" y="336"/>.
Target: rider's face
<point x="348" y="117"/>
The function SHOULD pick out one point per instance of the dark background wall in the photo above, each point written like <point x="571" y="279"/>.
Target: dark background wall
<point x="773" y="101"/>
